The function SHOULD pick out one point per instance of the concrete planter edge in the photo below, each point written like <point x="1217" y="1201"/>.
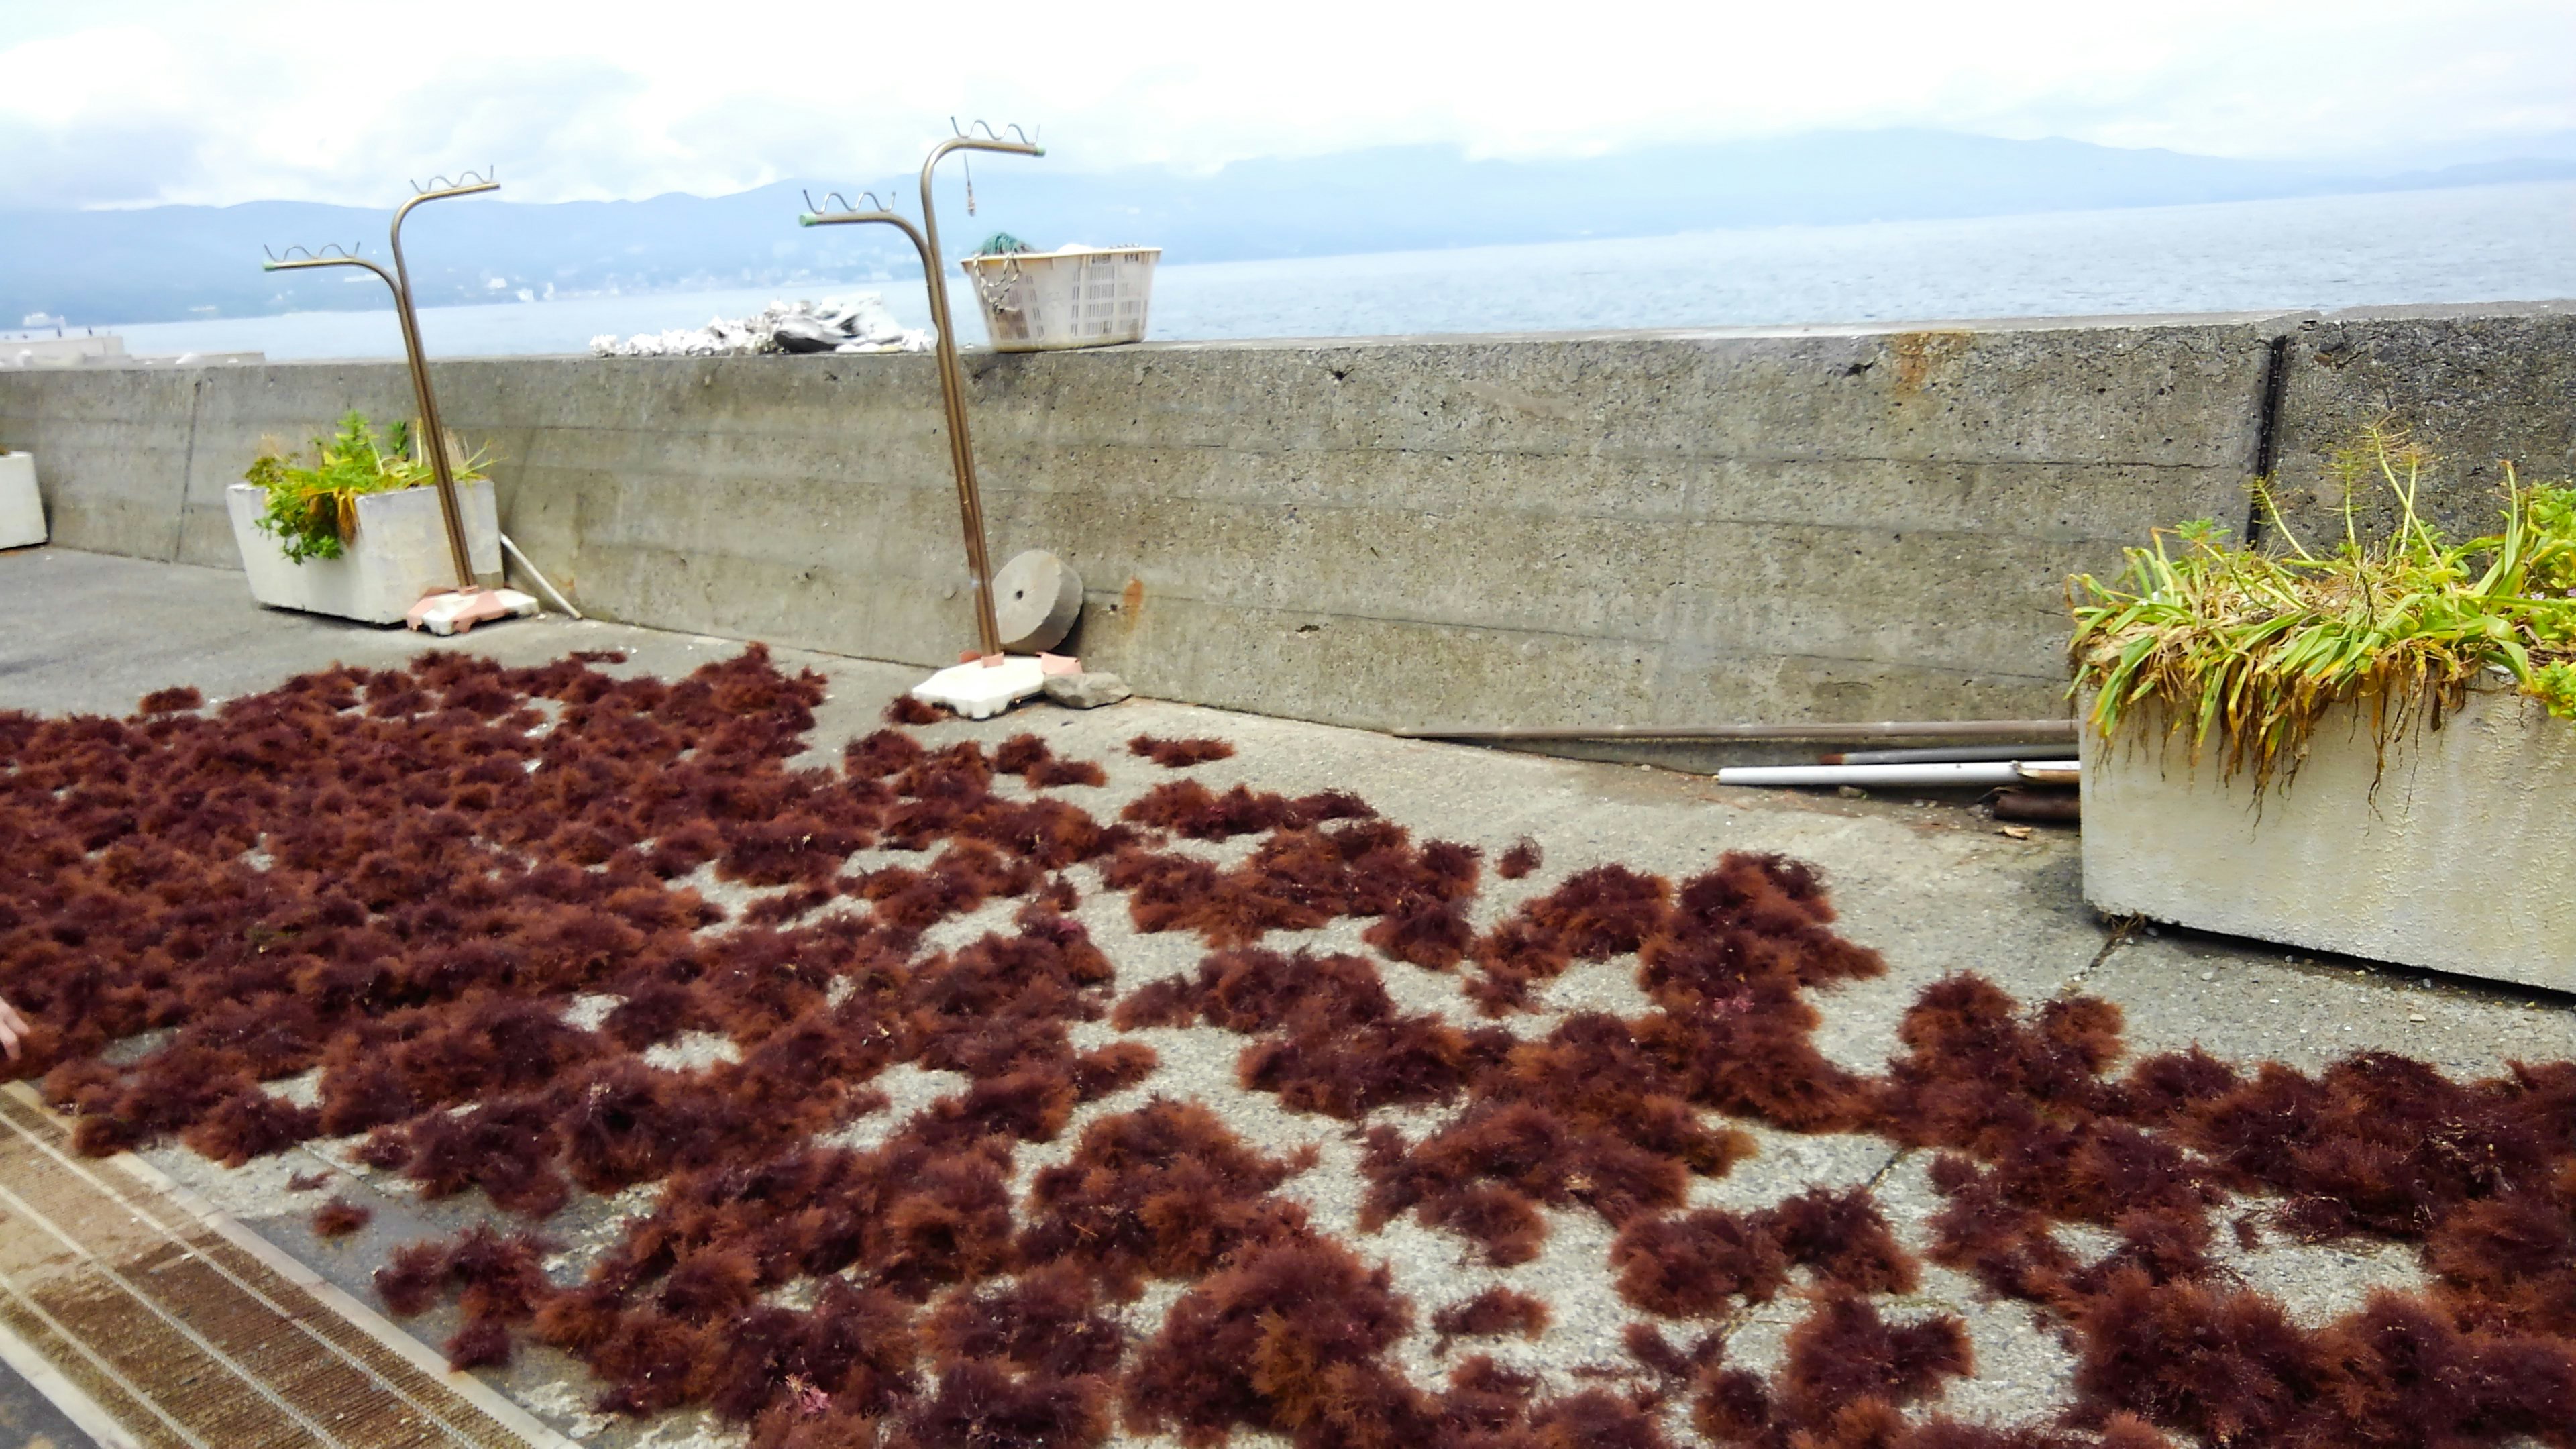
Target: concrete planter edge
<point x="2458" y="861"/>
<point x="22" y="510"/>
<point x="398" y="554"/>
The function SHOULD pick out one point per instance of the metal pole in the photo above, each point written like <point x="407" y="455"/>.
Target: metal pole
<point x="961" y="459"/>
<point x="952" y="385"/>
<point x="1927" y="754"/>
<point x="952" y="377"/>
<point x="419" y="380"/>
<point x="434" y="428"/>
<point x="2035" y="730"/>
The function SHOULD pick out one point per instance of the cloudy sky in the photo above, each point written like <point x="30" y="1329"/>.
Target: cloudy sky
<point x="126" y="102"/>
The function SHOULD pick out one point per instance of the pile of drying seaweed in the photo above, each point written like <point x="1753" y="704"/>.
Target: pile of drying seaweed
<point x="400" y="878"/>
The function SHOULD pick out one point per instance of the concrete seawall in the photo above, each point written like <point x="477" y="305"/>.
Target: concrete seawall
<point x="1787" y="524"/>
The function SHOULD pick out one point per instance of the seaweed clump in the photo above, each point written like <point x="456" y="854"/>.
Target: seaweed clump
<point x="340" y="1217"/>
<point x="1493" y="1312"/>
<point x="1179" y="754"/>
<point x="903" y="709"/>
<point x="1028" y="757"/>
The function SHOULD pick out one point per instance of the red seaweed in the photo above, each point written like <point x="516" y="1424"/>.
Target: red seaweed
<point x="340" y="1217"/>
<point x="398" y="878"/>
<point x="1179" y="754"/>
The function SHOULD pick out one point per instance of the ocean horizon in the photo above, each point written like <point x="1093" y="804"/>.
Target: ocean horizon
<point x="2464" y="244"/>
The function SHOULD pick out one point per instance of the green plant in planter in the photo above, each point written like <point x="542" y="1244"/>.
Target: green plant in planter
<point x="2255" y="647"/>
<point x="313" y="508"/>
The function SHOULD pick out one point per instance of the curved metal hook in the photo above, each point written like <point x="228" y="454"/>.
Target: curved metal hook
<point x="332" y="254"/>
<point x="463" y="180"/>
<point x="331" y="251"/>
<point x="843" y="203"/>
<point x="989" y="133"/>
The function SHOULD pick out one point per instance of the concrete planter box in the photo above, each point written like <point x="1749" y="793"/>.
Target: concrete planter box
<point x="2460" y="862"/>
<point x="22" y="513"/>
<point x="399" y="553"/>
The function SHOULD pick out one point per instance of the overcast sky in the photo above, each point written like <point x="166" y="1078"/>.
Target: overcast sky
<point x="111" y="103"/>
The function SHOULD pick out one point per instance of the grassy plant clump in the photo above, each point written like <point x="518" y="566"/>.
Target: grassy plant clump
<point x="2249" y="649"/>
<point x="313" y="508"/>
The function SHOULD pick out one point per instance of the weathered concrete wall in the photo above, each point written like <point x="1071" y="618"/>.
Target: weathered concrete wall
<point x="1638" y="528"/>
<point x="1631" y="529"/>
<point x="111" y="450"/>
<point x="2478" y="386"/>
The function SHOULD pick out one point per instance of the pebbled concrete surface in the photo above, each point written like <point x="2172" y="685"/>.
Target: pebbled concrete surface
<point x="28" y="1421"/>
<point x="1935" y="887"/>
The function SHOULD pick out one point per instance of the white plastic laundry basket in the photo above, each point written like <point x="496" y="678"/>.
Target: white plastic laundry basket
<point x="1075" y="297"/>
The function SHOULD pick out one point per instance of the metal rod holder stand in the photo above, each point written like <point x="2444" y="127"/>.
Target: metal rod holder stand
<point x="432" y="429"/>
<point x="952" y="379"/>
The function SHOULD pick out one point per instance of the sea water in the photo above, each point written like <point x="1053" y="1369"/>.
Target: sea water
<point x="2467" y="244"/>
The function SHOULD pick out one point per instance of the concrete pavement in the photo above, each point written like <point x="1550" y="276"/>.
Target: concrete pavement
<point x="1934" y="887"/>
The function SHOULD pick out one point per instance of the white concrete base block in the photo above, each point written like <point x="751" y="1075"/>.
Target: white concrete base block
<point x="399" y="553"/>
<point x="22" y="513"/>
<point x="456" y="612"/>
<point x="2459" y="862"/>
<point x="980" y="691"/>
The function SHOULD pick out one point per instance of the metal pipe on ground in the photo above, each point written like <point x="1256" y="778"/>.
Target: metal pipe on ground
<point x="2031" y="731"/>
<point x="1928" y="754"/>
<point x="2050" y="807"/>
<point x="1935" y="772"/>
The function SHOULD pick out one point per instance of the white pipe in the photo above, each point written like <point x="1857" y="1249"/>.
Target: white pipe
<point x="1961" y="772"/>
<point x="551" y="592"/>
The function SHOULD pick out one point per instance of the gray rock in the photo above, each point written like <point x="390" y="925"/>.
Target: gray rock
<point x="804" y="334"/>
<point x="1088" y="690"/>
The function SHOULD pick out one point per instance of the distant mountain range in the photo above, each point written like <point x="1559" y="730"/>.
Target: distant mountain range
<point x="174" y="262"/>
